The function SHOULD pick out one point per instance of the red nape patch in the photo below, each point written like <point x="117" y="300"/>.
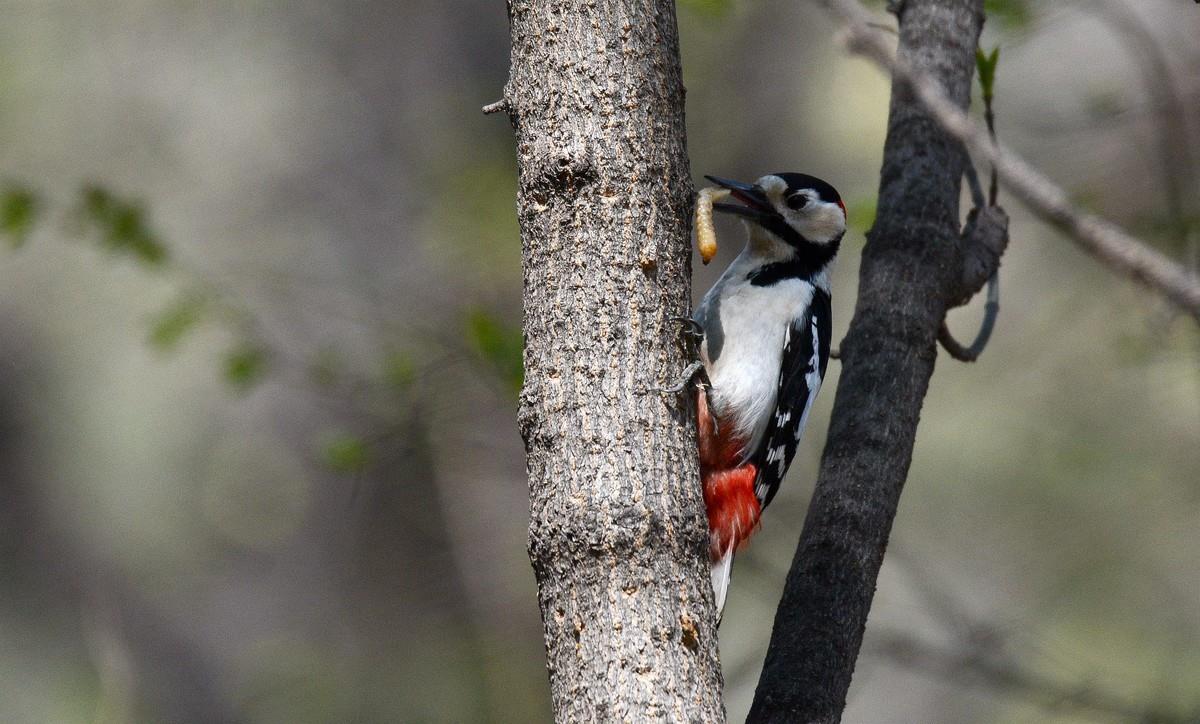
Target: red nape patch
<point x="733" y="508"/>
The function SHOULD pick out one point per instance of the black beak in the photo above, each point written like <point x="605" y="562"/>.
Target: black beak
<point x="757" y="206"/>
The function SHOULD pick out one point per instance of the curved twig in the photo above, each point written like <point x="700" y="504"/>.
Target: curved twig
<point x="1117" y="249"/>
<point x="991" y="310"/>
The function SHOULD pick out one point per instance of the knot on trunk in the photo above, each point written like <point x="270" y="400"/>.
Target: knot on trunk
<point x="980" y="247"/>
<point x="561" y="173"/>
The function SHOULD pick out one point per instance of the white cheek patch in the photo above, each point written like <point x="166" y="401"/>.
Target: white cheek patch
<point x="822" y="223"/>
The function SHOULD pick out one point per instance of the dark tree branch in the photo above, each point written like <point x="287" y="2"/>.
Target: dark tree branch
<point x="914" y="266"/>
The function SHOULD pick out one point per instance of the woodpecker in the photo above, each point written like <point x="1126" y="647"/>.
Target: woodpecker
<point x="764" y="344"/>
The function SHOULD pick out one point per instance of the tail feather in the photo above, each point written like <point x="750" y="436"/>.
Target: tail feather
<point x="721" y="571"/>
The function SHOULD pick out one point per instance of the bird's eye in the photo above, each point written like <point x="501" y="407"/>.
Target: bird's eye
<point x="797" y="202"/>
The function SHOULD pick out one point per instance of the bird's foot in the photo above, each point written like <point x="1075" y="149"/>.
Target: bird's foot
<point x="691" y="328"/>
<point x="692" y="371"/>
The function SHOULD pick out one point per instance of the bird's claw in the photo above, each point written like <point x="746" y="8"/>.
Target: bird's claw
<point x="692" y="328"/>
<point x="689" y="373"/>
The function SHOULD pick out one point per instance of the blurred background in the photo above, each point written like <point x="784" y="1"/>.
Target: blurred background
<point x="260" y="347"/>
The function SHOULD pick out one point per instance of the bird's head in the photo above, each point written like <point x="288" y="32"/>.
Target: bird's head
<point x="798" y="209"/>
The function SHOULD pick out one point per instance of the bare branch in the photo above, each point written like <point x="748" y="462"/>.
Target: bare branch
<point x="1117" y="249"/>
<point x="495" y="107"/>
<point x="914" y="266"/>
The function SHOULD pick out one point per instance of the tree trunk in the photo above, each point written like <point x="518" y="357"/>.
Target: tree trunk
<point x="912" y="270"/>
<point x="617" y="538"/>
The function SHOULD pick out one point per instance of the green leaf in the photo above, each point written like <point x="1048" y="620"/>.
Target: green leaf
<point x="169" y="328"/>
<point x="18" y="209"/>
<point x="1010" y="14"/>
<point x="245" y="366"/>
<point x="987" y="69"/>
<point x="499" y="345"/>
<point x="122" y="225"/>
<point x="346" y="454"/>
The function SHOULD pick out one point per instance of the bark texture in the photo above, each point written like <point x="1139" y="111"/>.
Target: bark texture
<point x="915" y="266"/>
<point x="617" y="538"/>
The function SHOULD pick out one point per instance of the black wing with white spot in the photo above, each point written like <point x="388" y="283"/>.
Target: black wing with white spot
<point x="805" y="355"/>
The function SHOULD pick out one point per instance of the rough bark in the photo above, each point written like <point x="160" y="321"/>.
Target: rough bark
<point x="913" y="269"/>
<point x="617" y="537"/>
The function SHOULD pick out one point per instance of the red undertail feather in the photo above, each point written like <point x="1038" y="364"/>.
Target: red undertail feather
<point x="733" y="508"/>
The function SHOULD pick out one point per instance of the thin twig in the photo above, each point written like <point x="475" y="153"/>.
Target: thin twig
<point x="991" y="309"/>
<point x="495" y="107"/>
<point x="1120" y="251"/>
<point x="989" y="116"/>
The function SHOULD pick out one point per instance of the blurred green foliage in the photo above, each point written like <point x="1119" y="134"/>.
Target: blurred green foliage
<point x="169" y="328"/>
<point x="1071" y="436"/>
<point x="18" y="210"/>
<point x="860" y="213"/>
<point x="346" y="454"/>
<point x="707" y="8"/>
<point x="290" y="679"/>
<point x="121" y="224"/>
<point x="399" y="371"/>
<point x="123" y="228"/>
<point x="499" y="345"/>
<point x="1010" y="14"/>
<point x="471" y="223"/>
<point x="245" y="366"/>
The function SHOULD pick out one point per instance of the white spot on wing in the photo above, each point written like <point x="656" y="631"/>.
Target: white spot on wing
<point x="812" y="378"/>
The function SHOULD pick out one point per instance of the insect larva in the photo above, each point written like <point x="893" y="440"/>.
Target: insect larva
<point x="706" y="235"/>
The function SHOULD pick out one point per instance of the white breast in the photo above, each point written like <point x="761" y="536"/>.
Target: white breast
<point x="753" y="320"/>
